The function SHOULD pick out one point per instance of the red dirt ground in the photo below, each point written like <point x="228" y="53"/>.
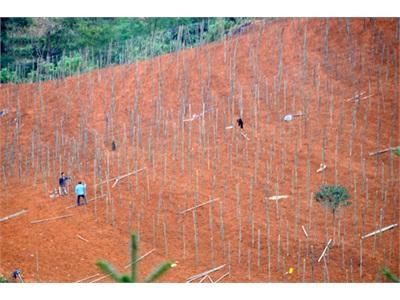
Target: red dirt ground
<point x="287" y="66"/>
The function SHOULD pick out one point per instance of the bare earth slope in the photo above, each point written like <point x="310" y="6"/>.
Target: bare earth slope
<point x="313" y="66"/>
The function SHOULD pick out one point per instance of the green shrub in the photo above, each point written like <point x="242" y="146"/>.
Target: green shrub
<point x="6" y="75"/>
<point x="332" y="196"/>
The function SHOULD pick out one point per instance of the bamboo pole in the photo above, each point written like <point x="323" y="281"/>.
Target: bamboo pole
<point x="82" y="238"/>
<point x="197" y="206"/>
<point x="222" y="277"/>
<point x="378" y="231"/>
<point x="325" y="250"/>
<point x="90" y="200"/>
<point x="200" y="275"/>
<point x="13" y="215"/>
<point x="50" y="219"/>
<point x="87" y="278"/>
<point x="383" y="151"/>
<point x="124" y="176"/>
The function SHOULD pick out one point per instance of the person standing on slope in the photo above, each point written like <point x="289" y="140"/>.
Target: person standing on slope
<point x="240" y="122"/>
<point x="80" y="191"/>
<point x="62" y="182"/>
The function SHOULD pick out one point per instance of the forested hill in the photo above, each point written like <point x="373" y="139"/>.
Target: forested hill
<point x="35" y="49"/>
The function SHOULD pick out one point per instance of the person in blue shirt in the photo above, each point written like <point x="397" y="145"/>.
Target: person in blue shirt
<point x="80" y="191"/>
<point x="62" y="181"/>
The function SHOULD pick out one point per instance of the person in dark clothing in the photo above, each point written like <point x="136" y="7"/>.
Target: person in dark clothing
<point x="62" y="181"/>
<point x="240" y="123"/>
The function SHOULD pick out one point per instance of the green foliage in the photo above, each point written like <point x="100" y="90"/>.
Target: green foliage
<point x="6" y="75"/>
<point x="126" y="278"/>
<point x="70" y="65"/>
<point x="36" y="49"/>
<point x="332" y="196"/>
<point x="389" y="275"/>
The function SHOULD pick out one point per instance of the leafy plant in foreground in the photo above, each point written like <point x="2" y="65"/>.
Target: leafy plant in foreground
<point x="132" y="277"/>
<point x="332" y="196"/>
<point x="389" y="275"/>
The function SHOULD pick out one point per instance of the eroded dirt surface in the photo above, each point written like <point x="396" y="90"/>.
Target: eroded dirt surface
<point x="313" y="66"/>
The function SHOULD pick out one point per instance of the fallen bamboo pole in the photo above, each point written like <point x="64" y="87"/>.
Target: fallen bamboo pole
<point x="325" y="250"/>
<point x="87" y="278"/>
<point x="118" y="177"/>
<point x="304" y="230"/>
<point x="82" y="238"/>
<point x="13" y="215"/>
<point x="127" y="266"/>
<point x="379" y="231"/>
<point x="197" y="206"/>
<point x="245" y="136"/>
<point x="124" y="176"/>
<point x="383" y="151"/>
<point x="197" y="276"/>
<point x="278" y="197"/>
<point x="222" y="277"/>
<point x="90" y="200"/>
<point x="50" y="219"/>
<point x="140" y="258"/>
<point x="355" y="97"/>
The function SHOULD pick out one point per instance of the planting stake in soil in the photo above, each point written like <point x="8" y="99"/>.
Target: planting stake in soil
<point x="379" y="231"/>
<point x="325" y="250"/>
<point x="13" y="215"/>
<point x="50" y="219"/>
<point x="197" y="206"/>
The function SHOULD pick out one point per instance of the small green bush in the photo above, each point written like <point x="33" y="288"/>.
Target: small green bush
<point x="332" y="196"/>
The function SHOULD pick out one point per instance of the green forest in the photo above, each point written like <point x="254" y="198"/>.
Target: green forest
<point x="36" y="49"/>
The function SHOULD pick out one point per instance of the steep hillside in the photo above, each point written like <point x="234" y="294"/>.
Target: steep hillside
<point x="342" y="75"/>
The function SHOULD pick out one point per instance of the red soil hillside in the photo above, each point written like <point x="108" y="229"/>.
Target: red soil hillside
<point x="314" y="66"/>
